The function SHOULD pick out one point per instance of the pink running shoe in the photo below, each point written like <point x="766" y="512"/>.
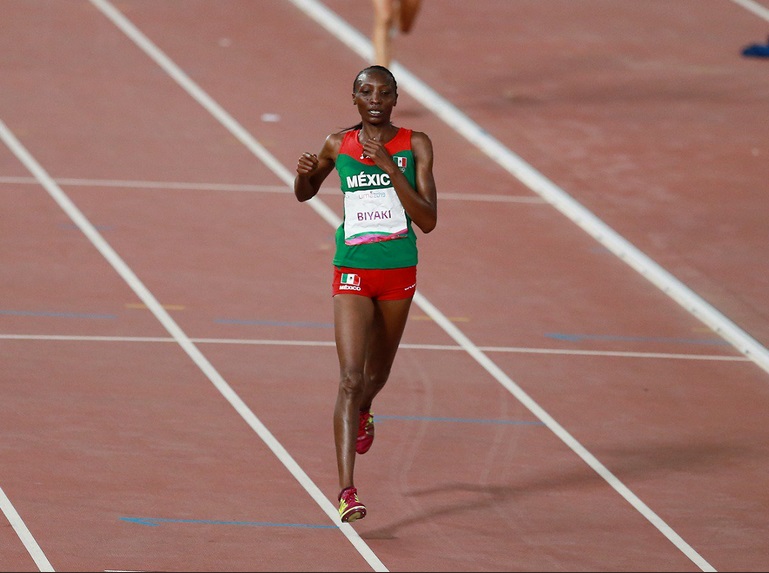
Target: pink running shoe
<point x="350" y="507"/>
<point x="365" y="432"/>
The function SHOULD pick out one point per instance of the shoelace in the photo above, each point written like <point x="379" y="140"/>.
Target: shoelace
<point x="363" y="422"/>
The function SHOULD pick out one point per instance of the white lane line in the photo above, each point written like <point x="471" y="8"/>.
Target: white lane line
<point x="21" y="530"/>
<point x="754" y="7"/>
<point x="488" y="197"/>
<point x="406" y="345"/>
<point x="164" y="185"/>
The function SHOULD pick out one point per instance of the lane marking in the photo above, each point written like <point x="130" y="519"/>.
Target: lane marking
<point x="668" y="340"/>
<point x="754" y="7"/>
<point x="482" y="421"/>
<point x="156" y="521"/>
<point x="262" y="322"/>
<point x="166" y="185"/>
<point x="179" y="185"/>
<point x="71" y="227"/>
<point x="405" y="345"/>
<point x="58" y="314"/>
<point x="23" y="533"/>
<point x="429" y="319"/>
<point x="142" y="306"/>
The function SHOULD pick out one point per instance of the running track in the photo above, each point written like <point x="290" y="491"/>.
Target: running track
<point x="584" y="381"/>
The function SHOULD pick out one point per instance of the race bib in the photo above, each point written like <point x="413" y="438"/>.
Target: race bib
<point x="372" y="216"/>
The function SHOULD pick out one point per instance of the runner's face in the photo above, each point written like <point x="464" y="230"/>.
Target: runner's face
<point x="375" y="98"/>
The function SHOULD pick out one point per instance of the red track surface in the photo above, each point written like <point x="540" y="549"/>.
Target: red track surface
<point x="570" y="417"/>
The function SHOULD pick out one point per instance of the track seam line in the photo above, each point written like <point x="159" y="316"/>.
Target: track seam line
<point x="405" y="345"/>
<point x="249" y="188"/>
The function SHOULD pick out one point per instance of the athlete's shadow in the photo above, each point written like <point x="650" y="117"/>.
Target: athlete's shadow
<point x="628" y="463"/>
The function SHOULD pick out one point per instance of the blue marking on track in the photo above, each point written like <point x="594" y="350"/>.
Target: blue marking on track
<point x="274" y="323"/>
<point x="157" y="521"/>
<point x="578" y="337"/>
<point x="58" y="314"/>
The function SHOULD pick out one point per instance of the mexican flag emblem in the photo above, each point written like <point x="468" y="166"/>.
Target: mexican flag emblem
<point x="350" y="279"/>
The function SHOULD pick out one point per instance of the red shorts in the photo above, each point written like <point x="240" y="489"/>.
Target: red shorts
<point x="381" y="284"/>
